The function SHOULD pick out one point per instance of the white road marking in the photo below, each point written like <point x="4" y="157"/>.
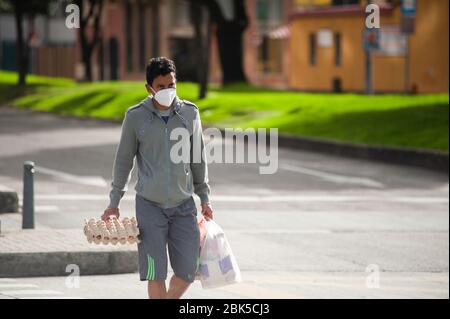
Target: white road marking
<point x="281" y="231"/>
<point x="3" y="286"/>
<point x="57" y="297"/>
<point x="269" y="199"/>
<point x="30" y="292"/>
<point x="12" y="288"/>
<point x="46" y="208"/>
<point x="5" y="188"/>
<point x="7" y="280"/>
<point x="330" y="177"/>
<point x="82" y="180"/>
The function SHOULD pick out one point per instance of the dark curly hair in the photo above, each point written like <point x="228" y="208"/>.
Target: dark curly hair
<point x="158" y="66"/>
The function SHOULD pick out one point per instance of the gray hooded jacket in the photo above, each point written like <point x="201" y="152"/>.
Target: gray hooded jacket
<point x="146" y="137"/>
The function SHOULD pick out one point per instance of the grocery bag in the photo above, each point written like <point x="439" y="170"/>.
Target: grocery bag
<point x="217" y="265"/>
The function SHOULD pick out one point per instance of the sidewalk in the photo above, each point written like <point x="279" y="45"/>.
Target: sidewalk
<point x="47" y="252"/>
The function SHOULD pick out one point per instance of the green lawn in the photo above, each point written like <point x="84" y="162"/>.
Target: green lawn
<point x="409" y="121"/>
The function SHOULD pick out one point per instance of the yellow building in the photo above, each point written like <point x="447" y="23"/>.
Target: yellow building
<point x="326" y="47"/>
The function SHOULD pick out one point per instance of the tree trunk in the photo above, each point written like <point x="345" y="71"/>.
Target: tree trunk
<point x="200" y="19"/>
<point x="229" y="37"/>
<point x="85" y="55"/>
<point x="21" y="54"/>
<point x="229" y="41"/>
<point x="85" y="59"/>
<point x="87" y="65"/>
<point x="87" y="47"/>
<point x="206" y="55"/>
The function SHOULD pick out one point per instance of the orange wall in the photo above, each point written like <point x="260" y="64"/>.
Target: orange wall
<point x="428" y="58"/>
<point x="429" y="47"/>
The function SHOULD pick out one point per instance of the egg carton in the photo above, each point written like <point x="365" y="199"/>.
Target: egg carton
<point x="112" y="231"/>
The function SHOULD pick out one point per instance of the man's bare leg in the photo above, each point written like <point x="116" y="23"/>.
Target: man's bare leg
<point x="177" y="287"/>
<point x="157" y="289"/>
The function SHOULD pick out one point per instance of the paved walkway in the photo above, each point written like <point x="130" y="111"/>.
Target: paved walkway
<point x="48" y="252"/>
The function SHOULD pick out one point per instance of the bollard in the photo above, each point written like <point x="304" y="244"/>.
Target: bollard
<point x="28" y="196"/>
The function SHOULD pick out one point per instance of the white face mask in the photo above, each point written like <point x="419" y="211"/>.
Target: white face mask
<point x="165" y="97"/>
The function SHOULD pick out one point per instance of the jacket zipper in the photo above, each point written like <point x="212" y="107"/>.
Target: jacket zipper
<point x="169" y="164"/>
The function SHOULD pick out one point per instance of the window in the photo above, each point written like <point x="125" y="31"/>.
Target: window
<point x="262" y="10"/>
<point x="269" y="11"/>
<point x="269" y="16"/>
<point x="270" y="55"/>
<point x="337" y="49"/>
<point x="313" y="49"/>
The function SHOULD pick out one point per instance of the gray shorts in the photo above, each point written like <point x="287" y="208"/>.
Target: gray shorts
<point x="175" y="228"/>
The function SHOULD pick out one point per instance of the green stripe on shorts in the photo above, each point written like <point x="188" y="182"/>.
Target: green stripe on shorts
<point x="150" y="268"/>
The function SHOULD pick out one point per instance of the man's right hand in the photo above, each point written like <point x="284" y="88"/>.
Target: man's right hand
<point x="110" y="212"/>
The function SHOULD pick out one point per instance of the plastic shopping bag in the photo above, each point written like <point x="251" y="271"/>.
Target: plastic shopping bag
<point x="218" y="266"/>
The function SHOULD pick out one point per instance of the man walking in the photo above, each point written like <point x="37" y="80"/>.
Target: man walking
<point x="165" y="209"/>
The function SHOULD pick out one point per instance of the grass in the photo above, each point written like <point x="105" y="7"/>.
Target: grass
<point x="397" y="120"/>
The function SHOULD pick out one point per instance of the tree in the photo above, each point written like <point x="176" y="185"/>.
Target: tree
<point x="201" y="21"/>
<point x="24" y="10"/>
<point x="229" y="37"/>
<point x="92" y="15"/>
<point x="229" y="34"/>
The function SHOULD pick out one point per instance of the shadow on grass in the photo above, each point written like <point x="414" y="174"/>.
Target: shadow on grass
<point x="420" y="126"/>
<point x="10" y="92"/>
<point x="83" y="104"/>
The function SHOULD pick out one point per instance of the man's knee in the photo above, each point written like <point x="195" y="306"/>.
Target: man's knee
<point x="157" y="289"/>
<point x="185" y="279"/>
<point x="157" y="284"/>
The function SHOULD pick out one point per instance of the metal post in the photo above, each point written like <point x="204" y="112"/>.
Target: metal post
<point x="407" y="88"/>
<point x="369" y="67"/>
<point x="369" y="73"/>
<point x="28" y="196"/>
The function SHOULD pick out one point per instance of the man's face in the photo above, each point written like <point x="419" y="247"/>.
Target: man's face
<point x="162" y="82"/>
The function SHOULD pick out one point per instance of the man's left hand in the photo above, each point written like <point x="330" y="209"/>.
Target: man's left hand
<point x="207" y="211"/>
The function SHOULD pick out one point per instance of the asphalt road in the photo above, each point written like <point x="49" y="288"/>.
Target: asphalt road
<point x="318" y="228"/>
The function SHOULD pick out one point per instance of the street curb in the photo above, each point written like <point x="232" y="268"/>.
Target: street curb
<point x="432" y="160"/>
<point x="9" y="201"/>
<point x="43" y="264"/>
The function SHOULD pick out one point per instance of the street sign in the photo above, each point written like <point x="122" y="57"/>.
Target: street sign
<point x="371" y="39"/>
<point x="408" y="20"/>
<point x="392" y="41"/>
<point x="408" y="8"/>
